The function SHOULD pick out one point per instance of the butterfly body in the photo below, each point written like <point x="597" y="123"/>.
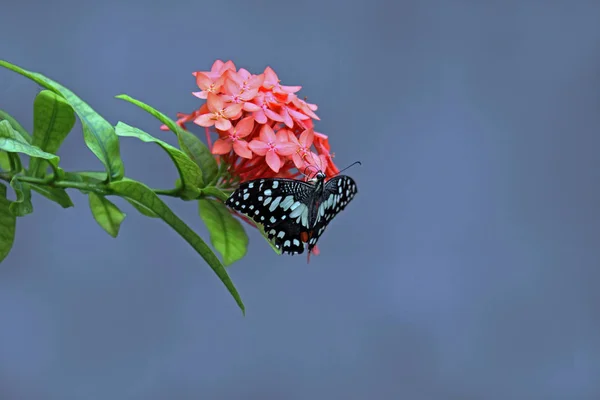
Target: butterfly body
<point x="293" y="212"/>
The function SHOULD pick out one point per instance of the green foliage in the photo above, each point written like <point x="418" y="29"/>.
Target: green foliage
<point x="8" y="224"/>
<point x="189" y="173"/>
<point x="55" y="111"/>
<point x="22" y="205"/>
<point x="12" y="142"/>
<point x="190" y="144"/>
<point x="4" y="161"/>
<point x="53" y="119"/>
<point x="15" y="125"/>
<point x="198" y="152"/>
<point x="106" y="214"/>
<point x="57" y="195"/>
<point x="227" y="235"/>
<point x="99" y="135"/>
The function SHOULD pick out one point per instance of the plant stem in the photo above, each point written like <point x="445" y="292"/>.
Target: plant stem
<point x="102" y="188"/>
<point x="63" y="184"/>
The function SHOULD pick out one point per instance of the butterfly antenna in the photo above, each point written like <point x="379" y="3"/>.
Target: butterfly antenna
<point x="354" y="163"/>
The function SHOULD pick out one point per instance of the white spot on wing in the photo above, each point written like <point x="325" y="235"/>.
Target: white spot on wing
<point x="268" y="192"/>
<point x="287" y="202"/>
<point x="275" y="184"/>
<point x="297" y="211"/>
<point x="281" y="234"/>
<point x="274" y="204"/>
<point x="296" y="242"/>
<point x="305" y="217"/>
<point x="246" y="196"/>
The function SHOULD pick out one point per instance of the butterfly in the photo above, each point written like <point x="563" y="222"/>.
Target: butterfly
<point x="293" y="212"/>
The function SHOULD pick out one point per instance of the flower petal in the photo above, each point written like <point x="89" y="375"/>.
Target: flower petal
<point x="271" y="78"/>
<point x="298" y="115"/>
<point x="200" y="95"/>
<point x="298" y="161"/>
<point x="273" y="115"/>
<point x="232" y="110"/>
<point x="251" y="107"/>
<point x="241" y="149"/>
<point x="231" y="87"/>
<point x="260" y="117"/>
<point x="249" y="94"/>
<point x="267" y="135"/>
<point x="244" y="127"/>
<point x="203" y="81"/>
<point x="283" y="135"/>
<point x="273" y="161"/>
<point x="205" y="120"/>
<point x="258" y="147"/>
<point x="256" y="81"/>
<point x="214" y="102"/>
<point x="307" y="137"/>
<point x="286" y="149"/>
<point x="290" y="89"/>
<point x="222" y="124"/>
<point x="287" y="118"/>
<point x="221" y="146"/>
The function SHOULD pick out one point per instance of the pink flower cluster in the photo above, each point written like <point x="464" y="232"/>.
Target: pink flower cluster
<point x="264" y="129"/>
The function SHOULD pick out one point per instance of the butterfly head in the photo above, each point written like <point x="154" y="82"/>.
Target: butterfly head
<point x="318" y="177"/>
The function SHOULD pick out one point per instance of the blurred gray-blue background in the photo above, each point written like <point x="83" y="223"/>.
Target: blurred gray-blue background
<point x="466" y="268"/>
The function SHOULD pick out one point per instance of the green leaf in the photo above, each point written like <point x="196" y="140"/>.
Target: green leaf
<point x="142" y="208"/>
<point x="141" y="193"/>
<point x="22" y="205"/>
<point x="261" y="229"/>
<point x="99" y="135"/>
<point x="106" y="213"/>
<point x="215" y="192"/>
<point x="57" y="195"/>
<point x="199" y="153"/>
<point x="8" y="223"/>
<point x="189" y="173"/>
<point x="16" y="126"/>
<point x="12" y="142"/>
<point x="226" y="233"/>
<point x="53" y="119"/>
<point x="189" y="143"/>
<point x="4" y="161"/>
<point x="86" y="176"/>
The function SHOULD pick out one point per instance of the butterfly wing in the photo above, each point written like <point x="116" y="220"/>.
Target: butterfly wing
<point x="280" y="205"/>
<point x="337" y="193"/>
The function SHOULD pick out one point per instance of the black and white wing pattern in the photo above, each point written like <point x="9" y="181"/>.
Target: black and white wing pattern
<point x="293" y="212"/>
<point x="337" y="193"/>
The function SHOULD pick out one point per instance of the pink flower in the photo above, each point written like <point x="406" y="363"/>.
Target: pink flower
<point x="288" y="115"/>
<point x="207" y="85"/>
<point x="235" y="94"/>
<point x="246" y="81"/>
<point x="218" y="68"/>
<point x="219" y="115"/>
<point x="261" y="109"/>
<point x="234" y="139"/>
<point x="302" y="148"/>
<point x="272" y="146"/>
<point x="271" y="82"/>
<point x="305" y="107"/>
